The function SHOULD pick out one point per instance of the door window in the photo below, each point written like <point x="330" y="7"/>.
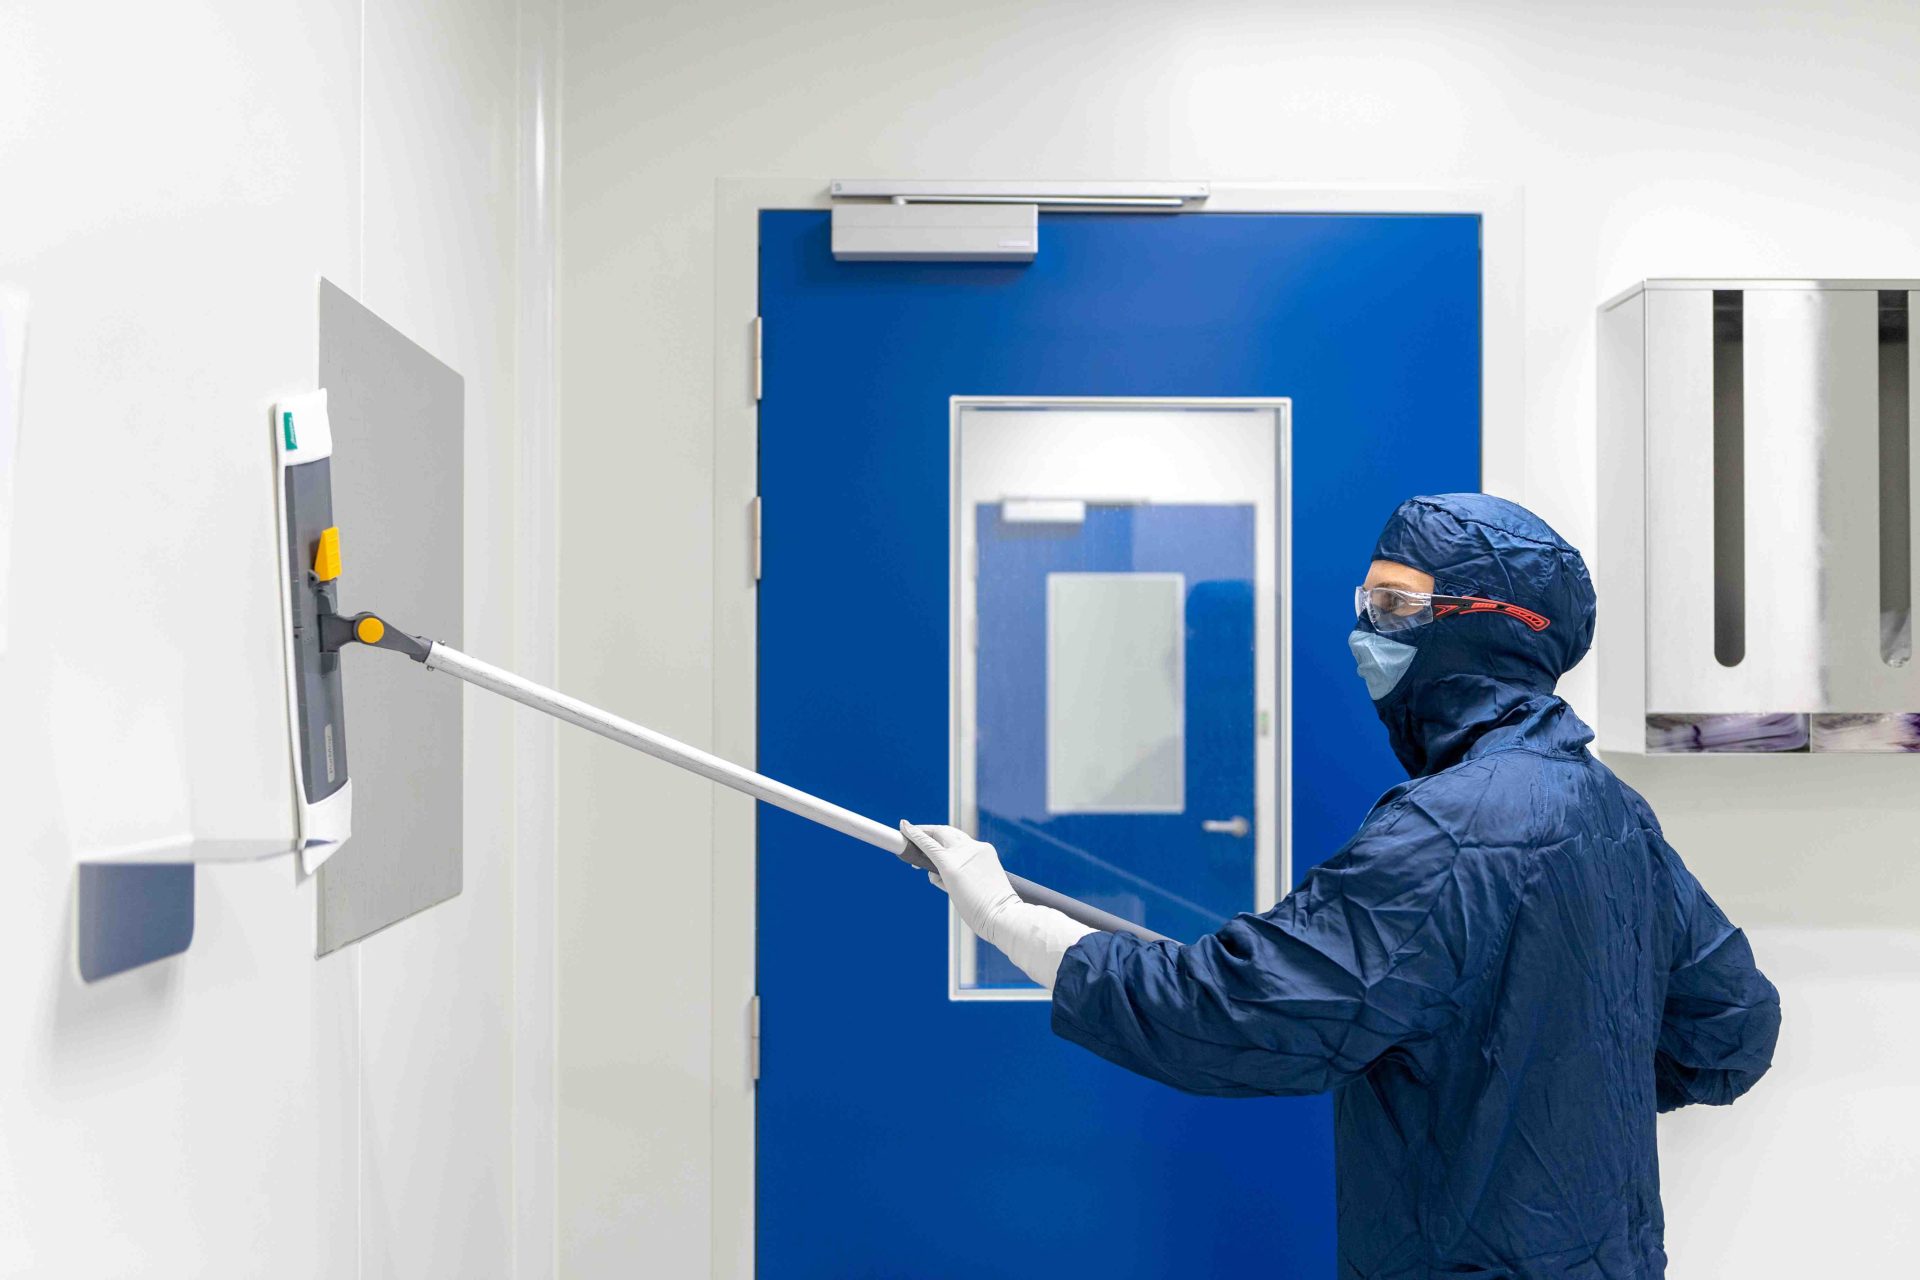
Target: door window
<point x="1116" y="569"/>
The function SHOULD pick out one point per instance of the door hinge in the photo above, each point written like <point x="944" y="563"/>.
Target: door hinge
<point x="753" y="515"/>
<point x="753" y="1035"/>
<point x="756" y="359"/>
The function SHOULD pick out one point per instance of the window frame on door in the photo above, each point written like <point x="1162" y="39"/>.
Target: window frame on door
<point x="1272" y="586"/>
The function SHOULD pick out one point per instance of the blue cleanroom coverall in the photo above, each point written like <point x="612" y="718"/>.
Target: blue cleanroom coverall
<point x="1503" y="976"/>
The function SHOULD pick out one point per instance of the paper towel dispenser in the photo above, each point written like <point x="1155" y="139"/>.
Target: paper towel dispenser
<point x="1757" y="516"/>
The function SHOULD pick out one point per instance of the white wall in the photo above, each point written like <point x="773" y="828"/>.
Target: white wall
<point x="1650" y="139"/>
<point x="173" y="181"/>
<point x="1814" y="1173"/>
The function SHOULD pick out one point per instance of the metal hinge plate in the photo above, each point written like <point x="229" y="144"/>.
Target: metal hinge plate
<point x="753" y="1035"/>
<point x="753" y="515"/>
<point x="756" y="359"/>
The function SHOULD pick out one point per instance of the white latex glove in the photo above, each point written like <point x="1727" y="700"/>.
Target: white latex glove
<point x="1035" y="938"/>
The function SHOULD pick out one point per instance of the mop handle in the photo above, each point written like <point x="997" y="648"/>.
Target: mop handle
<point x="727" y="774"/>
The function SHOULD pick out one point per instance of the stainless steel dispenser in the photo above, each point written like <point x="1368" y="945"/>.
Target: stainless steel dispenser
<point x="1757" y="487"/>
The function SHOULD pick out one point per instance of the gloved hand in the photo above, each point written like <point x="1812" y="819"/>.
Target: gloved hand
<point x="1035" y="938"/>
<point x="968" y="870"/>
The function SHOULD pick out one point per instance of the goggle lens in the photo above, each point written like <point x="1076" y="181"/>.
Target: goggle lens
<point x="1392" y="609"/>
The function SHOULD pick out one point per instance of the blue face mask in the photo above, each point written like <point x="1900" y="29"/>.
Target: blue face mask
<point x="1382" y="662"/>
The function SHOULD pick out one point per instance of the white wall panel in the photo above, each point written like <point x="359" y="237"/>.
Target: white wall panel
<point x="177" y="178"/>
<point x="436" y="991"/>
<point x="174" y="188"/>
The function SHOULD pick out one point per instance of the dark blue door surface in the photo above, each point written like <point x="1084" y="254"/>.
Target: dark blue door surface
<point x="903" y="1134"/>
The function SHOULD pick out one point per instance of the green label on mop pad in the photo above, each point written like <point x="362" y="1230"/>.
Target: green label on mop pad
<point x="286" y="425"/>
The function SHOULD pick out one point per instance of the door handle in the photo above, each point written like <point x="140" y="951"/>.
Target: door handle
<point x="1236" y="827"/>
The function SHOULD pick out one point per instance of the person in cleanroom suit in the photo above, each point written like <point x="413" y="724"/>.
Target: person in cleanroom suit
<point x="1502" y="978"/>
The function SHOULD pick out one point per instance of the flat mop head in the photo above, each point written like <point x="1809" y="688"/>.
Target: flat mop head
<point x="310" y="571"/>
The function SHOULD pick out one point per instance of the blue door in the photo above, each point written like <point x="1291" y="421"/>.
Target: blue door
<point x="888" y="1112"/>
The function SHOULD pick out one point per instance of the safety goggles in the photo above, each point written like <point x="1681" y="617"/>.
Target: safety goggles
<point x="1393" y="609"/>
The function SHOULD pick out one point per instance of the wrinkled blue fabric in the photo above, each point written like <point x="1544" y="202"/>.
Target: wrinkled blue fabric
<point x="1502" y="977"/>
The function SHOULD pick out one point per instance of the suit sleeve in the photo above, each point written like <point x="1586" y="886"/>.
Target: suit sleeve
<point x="1721" y="1017"/>
<point x="1371" y="955"/>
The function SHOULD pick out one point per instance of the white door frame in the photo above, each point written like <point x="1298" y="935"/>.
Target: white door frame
<point x="736" y="427"/>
